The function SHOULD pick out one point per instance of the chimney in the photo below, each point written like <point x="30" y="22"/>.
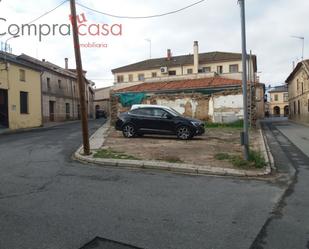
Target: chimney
<point x="195" y="57"/>
<point x="43" y="60"/>
<point x="169" y="55"/>
<point x="66" y="63"/>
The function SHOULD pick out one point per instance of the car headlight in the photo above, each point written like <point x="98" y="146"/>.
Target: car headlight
<point x="195" y="123"/>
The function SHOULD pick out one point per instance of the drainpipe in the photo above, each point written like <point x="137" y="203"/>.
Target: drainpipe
<point x="41" y="90"/>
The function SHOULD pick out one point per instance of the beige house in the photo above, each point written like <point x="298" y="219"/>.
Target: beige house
<point x="20" y="93"/>
<point x="298" y="85"/>
<point x="279" y="101"/>
<point x="196" y="65"/>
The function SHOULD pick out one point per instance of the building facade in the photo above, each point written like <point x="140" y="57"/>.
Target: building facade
<point x="20" y="93"/>
<point x="279" y="101"/>
<point x="298" y="88"/>
<point x="197" y="67"/>
<point x="224" y="64"/>
<point x="60" y="92"/>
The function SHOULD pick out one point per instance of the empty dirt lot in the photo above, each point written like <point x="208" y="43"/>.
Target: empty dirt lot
<point x="201" y="150"/>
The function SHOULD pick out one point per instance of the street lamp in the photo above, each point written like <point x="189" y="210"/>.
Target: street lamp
<point x="6" y="42"/>
<point x="303" y="44"/>
<point x="5" y="47"/>
<point x="245" y="133"/>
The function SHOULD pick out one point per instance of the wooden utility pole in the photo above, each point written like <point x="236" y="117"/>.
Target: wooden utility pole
<point x="80" y="79"/>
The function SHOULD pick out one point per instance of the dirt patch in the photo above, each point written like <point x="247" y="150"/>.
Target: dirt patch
<point x="200" y="151"/>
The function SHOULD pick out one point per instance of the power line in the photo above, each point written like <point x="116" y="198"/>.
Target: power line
<point x="141" y="17"/>
<point x="46" y="13"/>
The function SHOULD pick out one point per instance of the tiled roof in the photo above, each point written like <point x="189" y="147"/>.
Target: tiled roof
<point x="16" y="60"/>
<point x="176" y="61"/>
<point x="204" y="83"/>
<point x="47" y="65"/>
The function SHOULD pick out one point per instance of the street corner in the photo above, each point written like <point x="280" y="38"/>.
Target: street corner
<point x="197" y="156"/>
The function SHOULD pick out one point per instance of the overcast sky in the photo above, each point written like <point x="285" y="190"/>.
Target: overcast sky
<point x="214" y="23"/>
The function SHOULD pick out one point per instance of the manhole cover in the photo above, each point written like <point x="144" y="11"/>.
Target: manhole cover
<point x="101" y="243"/>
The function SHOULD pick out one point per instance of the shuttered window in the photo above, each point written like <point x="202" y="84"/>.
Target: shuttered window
<point x="24" y="103"/>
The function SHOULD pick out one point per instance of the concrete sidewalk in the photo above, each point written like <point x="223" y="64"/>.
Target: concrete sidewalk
<point x="298" y="134"/>
<point x="97" y="142"/>
<point x="288" y="225"/>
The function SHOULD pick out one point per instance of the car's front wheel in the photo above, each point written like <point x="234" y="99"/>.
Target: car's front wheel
<point x="184" y="133"/>
<point x="128" y="131"/>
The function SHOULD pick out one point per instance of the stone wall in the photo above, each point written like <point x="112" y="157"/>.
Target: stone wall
<point x="222" y="107"/>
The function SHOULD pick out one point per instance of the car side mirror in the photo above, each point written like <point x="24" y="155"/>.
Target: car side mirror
<point x="169" y="116"/>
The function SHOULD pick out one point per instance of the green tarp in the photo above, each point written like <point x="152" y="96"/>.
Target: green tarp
<point x="128" y="99"/>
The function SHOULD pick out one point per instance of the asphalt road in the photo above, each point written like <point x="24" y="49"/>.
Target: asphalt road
<point x="288" y="226"/>
<point x="49" y="201"/>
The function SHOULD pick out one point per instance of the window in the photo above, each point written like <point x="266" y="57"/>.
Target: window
<point x="159" y="113"/>
<point x="294" y="107"/>
<point x="219" y="69"/>
<point x="276" y="97"/>
<point x="173" y="72"/>
<point x="302" y="87"/>
<point x="67" y="110"/>
<point x="154" y="74"/>
<point x="22" y="75"/>
<point x="298" y="107"/>
<point x="48" y="83"/>
<point x="120" y="78"/>
<point x="141" y="77"/>
<point x="285" y="97"/>
<point x="234" y="68"/>
<point x="189" y="71"/>
<point x="59" y="84"/>
<point x="206" y="69"/>
<point x="130" y="77"/>
<point x="23" y="102"/>
<point x="142" y="112"/>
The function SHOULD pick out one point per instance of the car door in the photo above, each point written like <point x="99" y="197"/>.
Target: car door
<point x="162" y="121"/>
<point x="141" y="118"/>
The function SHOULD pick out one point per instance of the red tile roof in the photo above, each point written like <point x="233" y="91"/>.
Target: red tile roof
<point x="187" y="84"/>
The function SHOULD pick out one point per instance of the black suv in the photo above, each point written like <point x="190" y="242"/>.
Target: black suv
<point x="151" y="119"/>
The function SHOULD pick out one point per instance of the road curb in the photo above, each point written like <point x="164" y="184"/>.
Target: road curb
<point x="39" y="128"/>
<point x="171" y="167"/>
<point x="267" y="153"/>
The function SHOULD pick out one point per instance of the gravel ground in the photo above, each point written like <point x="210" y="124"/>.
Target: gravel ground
<point x="200" y="150"/>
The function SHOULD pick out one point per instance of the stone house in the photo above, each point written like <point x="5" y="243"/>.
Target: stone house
<point x="60" y="92"/>
<point x="279" y="101"/>
<point x="20" y="93"/>
<point x="298" y="89"/>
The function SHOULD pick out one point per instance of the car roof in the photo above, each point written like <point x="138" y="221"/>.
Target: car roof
<point x="149" y="106"/>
